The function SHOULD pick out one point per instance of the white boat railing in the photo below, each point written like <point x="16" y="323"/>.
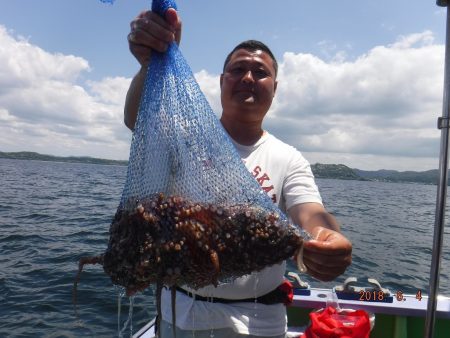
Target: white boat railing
<point x="404" y="306"/>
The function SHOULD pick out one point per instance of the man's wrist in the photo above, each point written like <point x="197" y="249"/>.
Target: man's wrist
<point x="321" y="222"/>
<point x="142" y="71"/>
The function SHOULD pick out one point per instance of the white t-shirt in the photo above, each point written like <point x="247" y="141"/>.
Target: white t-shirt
<point x="285" y="175"/>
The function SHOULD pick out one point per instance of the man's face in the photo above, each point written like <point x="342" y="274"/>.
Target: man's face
<point x="248" y="85"/>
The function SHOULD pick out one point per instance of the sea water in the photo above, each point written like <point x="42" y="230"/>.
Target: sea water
<point x="52" y="214"/>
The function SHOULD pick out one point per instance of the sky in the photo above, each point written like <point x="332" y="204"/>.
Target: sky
<point x="360" y="82"/>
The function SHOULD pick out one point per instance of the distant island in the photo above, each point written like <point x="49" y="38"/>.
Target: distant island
<point x="334" y="171"/>
<point x="342" y="172"/>
<point x="28" y="155"/>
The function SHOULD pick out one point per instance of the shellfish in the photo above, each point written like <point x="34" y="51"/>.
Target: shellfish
<point x="174" y="241"/>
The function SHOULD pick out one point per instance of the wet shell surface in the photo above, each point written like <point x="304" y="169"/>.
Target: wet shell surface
<point x="174" y="241"/>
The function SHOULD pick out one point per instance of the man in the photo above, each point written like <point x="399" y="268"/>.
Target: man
<point x="248" y="85"/>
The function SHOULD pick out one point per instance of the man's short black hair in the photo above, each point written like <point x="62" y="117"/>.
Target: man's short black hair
<point x="251" y="46"/>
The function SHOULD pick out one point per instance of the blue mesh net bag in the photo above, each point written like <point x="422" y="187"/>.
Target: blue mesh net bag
<point x="190" y="212"/>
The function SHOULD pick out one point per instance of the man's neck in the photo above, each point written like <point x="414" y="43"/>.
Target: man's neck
<point x="243" y="133"/>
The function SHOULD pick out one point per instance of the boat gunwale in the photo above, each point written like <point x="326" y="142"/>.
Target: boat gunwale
<point x="409" y="307"/>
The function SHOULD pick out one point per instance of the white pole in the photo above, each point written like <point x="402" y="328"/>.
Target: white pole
<point x="443" y="124"/>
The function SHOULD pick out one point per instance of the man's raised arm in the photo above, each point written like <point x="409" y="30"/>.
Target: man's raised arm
<point x="148" y="32"/>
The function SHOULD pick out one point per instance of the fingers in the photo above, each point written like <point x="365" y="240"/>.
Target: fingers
<point x="329" y="242"/>
<point x="328" y="261"/>
<point x="338" y="245"/>
<point x="173" y="19"/>
<point x="328" y="256"/>
<point x="149" y="31"/>
<point x="321" y="273"/>
<point x="325" y="271"/>
<point x="175" y="22"/>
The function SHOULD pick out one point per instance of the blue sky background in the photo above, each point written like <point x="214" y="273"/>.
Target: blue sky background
<point x="96" y="31"/>
<point x="360" y="81"/>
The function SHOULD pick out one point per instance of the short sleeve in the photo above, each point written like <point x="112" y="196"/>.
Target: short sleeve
<point x="299" y="185"/>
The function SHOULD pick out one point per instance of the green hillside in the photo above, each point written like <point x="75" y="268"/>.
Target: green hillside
<point x="334" y="171"/>
<point x="28" y="155"/>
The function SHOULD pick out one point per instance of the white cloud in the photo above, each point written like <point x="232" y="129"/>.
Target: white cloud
<point x="371" y="112"/>
<point x="25" y="64"/>
<point x="210" y="86"/>
<point x="43" y="107"/>
<point x="110" y="89"/>
<point x="385" y="103"/>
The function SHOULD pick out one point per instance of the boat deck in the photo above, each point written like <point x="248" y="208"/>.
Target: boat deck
<point x="389" y="316"/>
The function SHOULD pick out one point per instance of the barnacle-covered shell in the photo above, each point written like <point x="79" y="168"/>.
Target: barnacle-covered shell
<point x="195" y="244"/>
